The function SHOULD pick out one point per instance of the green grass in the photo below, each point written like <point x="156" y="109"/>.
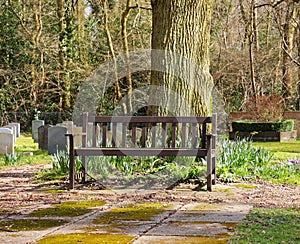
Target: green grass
<point x="26" y="152"/>
<point x="269" y="226"/>
<point x="289" y="147"/>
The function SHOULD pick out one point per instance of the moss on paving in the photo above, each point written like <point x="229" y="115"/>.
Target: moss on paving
<point x="12" y="225"/>
<point x="136" y="212"/>
<point x="68" y="209"/>
<point x="87" y="238"/>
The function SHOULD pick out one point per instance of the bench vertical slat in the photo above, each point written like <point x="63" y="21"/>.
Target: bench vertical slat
<point x="144" y="134"/>
<point x="94" y="136"/>
<point x="183" y="135"/>
<point x="124" y="128"/>
<point x="114" y="134"/>
<point x="153" y="136"/>
<point x="203" y="135"/>
<point x="174" y="125"/>
<point x="104" y="134"/>
<point x="133" y="135"/>
<point x="194" y="135"/>
<point x="163" y="134"/>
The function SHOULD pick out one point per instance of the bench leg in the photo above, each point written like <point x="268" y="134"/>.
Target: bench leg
<point x="71" y="163"/>
<point x="209" y="166"/>
<point x="84" y="167"/>
<point x="214" y="170"/>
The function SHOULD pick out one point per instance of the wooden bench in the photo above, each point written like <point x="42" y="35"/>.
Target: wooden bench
<point x="139" y="136"/>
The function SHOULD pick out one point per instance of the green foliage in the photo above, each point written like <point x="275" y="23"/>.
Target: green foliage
<point x="12" y="159"/>
<point x="269" y="226"/>
<point x="181" y="168"/>
<point x="239" y="160"/>
<point x="60" y="163"/>
<point x="286" y="125"/>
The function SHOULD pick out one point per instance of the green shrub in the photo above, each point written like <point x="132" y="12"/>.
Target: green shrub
<point x="244" y="126"/>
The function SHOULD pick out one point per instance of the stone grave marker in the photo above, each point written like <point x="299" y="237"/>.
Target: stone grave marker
<point x="77" y="131"/>
<point x="14" y="130"/>
<point x="18" y="128"/>
<point x="43" y="136"/>
<point x="69" y="125"/>
<point x="35" y="125"/>
<point x="57" y="141"/>
<point x="6" y="141"/>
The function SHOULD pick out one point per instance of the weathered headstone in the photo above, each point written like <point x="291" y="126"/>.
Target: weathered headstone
<point x="91" y="133"/>
<point x="69" y="125"/>
<point x="6" y="141"/>
<point x="57" y="141"/>
<point x="43" y="136"/>
<point x="35" y="125"/>
<point x="14" y="130"/>
<point x="77" y="131"/>
<point x="18" y="128"/>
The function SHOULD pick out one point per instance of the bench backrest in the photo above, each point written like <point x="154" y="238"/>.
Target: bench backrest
<point x="146" y="131"/>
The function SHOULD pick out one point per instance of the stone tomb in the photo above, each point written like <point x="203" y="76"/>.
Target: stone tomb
<point x="6" y="141"/>
<point x="57" y="141"/>
<point x="43" y="137"/>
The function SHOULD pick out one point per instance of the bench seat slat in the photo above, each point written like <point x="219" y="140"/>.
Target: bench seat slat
<point x="96" y="151"/>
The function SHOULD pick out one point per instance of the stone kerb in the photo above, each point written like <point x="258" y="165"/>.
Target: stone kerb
<point x="6" y="141"/>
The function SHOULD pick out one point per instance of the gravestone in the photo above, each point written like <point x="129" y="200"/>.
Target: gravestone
<point x="35" y="125"/>
<point x="6" y="141"/>
<point x="57" y="141"/>
<point x="69" y="125"/>
<point x="43" y="136"/>
<point x="18" y="128"/>
<point x="77" y="131"/>
<point x="91" y="133"/>
<point x="13" y="129"/>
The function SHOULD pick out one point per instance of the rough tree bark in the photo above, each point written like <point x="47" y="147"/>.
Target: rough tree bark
<point x="182" y="29"/>
<point x="287" y="45"/>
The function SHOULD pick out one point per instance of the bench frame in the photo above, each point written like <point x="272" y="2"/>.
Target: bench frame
<point x="198" y="130"/>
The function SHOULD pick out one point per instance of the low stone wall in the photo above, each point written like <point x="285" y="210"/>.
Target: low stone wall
<point x="287" y="115"/>
<point x="266" y="136"/>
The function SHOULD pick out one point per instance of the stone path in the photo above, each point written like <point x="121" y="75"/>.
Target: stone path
<point x="178" y="222"/>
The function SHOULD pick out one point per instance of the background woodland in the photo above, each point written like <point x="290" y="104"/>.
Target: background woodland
<point x="49" y="48"/>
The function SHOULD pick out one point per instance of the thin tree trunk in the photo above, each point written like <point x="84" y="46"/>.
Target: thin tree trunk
<point x="118" y="94"/>
<point x="288" y="43"/>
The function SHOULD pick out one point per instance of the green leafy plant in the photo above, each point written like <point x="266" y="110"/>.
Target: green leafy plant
<point x="239" y="160"/>
<point x="60" y="162"/>
<point x="12" y="159"/>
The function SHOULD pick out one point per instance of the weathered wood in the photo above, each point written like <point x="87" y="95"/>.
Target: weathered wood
<point x="129" y="143"/>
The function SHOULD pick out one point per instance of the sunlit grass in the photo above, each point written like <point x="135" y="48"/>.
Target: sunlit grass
<point x="288" y="147"/>
<point x="26" y="152"/>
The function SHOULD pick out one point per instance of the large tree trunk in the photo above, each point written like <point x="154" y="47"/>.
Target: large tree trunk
<point x="182" y="29"/>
